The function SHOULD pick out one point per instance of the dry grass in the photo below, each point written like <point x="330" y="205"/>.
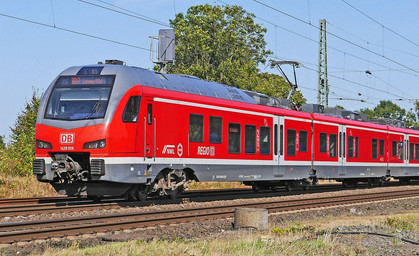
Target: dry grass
<point x="395" y="220"/>
<point x="289" y="239"/>
<point x="216" y="185"/>
<point x="252" y="244"/>
<point x="27" y="186"/>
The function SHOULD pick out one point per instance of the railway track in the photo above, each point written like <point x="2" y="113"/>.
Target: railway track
<point x="48" y="205"/>
<point x="26" y="231"/>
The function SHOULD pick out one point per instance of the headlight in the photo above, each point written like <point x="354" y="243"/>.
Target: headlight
<point x="43" y="144"/>
<point x="95" y="144"/>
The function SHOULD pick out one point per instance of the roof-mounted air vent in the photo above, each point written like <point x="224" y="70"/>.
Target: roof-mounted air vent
<point x="115" y="62"/>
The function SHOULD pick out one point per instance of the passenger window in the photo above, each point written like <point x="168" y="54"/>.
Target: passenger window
<point x="394" y="148"/>
<point x="350" y="146"/>
<point x="332" y="145"/>
<point x="381" y="147"/>
<point x="400" y="150"/>
<point x="196" y="128"/>
<point x="265" y="140"/>
<point x="250" y="139"/>
<point x="374" y="149"/>
<point x="323" y="142"/>
<point x="291" y="138"/>
<point x="233" y="138"/>
<point x="149" y="113"/>
<point x="412" y="151"/>
<point x="130" y="114"/>
<point x="417" y="151"/>
<point x="356" y="146"/>
<point x="215" y="129"/>
<point x="302" y="144"/>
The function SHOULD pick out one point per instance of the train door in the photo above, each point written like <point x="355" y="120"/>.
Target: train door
<point x="278" y="156"/>
<point x="406" y="154"/>
<point x="149" y="130"/>
<point x="342" y="150"/>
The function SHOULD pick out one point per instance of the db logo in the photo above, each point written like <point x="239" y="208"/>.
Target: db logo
<point x="66" y="138"/>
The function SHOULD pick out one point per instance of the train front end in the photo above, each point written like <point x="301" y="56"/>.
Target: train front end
<point x="86" y="129"/>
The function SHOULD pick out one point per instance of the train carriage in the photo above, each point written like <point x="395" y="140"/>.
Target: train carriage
<point x="111" y="129"/>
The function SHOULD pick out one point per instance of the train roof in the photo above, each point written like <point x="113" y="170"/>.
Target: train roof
<point x="128" y="76"/>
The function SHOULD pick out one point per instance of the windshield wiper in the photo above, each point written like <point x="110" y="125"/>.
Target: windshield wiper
<point x="95" y="108"/>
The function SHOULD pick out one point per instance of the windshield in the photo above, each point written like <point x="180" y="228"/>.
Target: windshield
<point x="79" y="97"/>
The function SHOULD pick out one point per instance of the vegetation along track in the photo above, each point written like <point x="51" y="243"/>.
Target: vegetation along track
<point x="26" y="231"/>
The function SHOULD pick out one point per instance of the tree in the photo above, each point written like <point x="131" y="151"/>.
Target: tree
<point x="18" y="156"/>
<point x="2" y="142"/>
<point x="224" y="44"/>
<point x="387" y="109"/>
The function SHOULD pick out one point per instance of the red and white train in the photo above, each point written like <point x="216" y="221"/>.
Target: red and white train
<point x="111" y="129"/>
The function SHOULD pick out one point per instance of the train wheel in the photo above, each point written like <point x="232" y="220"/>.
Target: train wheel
<point x="142" y="193"/>
<point x="274" y="189"/>
<point x="370" y="183"/>
<point x="288" y="186"/>
<point x="177" y="181"/>
<point x="255" y="188"/>
<point x="174" y="194"/>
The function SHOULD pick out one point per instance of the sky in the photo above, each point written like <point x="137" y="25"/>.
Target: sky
<point x="372" y="45"/>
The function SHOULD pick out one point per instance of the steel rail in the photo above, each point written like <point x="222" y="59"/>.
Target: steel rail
<point x="26" y="231"/>
<point x="30" y="206"/>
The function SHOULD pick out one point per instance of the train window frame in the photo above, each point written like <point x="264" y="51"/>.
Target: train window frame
<point x="276" y="139"/>
<point x="150" y="113"/>
<point x="65" y="84"/>
<point x="323" y="142"/>
<point x="356" y="147"/>
<point x="381" y="147"/>
<point x="215" y="131"/>
<point x="196" y="128"/>
<point x="416" y="151"/>
<point x="291" y="145"/>
<point x="262" y="149"/>
<point x="350" y="146"/>
<point x="131" y="115"/>
<point x="234" y="141"/>
<point x="374" y="148"/>
<point x="394" y="148"/>
<point x="400" y="149"/>
<point x="250" y="139"/>
<point x="412" y="151"/>
<point x="333" y="139"/>
<point x="281" y="140"/>
<point x="302" y="145"/>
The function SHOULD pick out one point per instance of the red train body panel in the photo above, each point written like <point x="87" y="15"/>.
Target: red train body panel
<point x="113" y="130"/>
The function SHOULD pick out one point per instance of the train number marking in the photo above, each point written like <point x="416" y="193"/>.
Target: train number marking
<point x="206" y="151"/>
<point x="67" y="138"/>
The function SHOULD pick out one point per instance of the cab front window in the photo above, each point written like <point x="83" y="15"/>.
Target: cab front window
<point x="79" y="97"/>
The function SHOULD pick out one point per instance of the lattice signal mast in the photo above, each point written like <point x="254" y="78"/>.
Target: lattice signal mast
<point x="323" y="84"/>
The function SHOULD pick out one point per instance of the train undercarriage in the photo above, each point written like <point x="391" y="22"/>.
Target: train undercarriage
<point x="74" y="175"/>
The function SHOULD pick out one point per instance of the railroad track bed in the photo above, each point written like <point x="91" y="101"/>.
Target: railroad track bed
<point x="85" y="209"/>
<point x="221" y="228"/>
<point x="76" y="223"/>
<point x="12" y="210"/>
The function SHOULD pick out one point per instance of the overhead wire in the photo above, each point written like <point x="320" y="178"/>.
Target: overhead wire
<point x="336" y="36"/>
<point x="134" y="15"/>
<point x="72" y="31"/>
<point x="389" y="29"/>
